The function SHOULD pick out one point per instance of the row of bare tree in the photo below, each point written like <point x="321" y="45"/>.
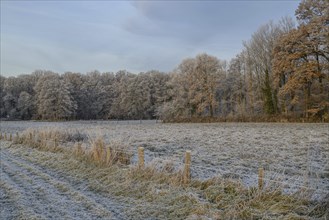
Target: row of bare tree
<point x="283" y="71"/>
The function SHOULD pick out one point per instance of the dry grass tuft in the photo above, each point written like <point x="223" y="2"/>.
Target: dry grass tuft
<point x="78" y="151"/>
<point x="54" y="135"/>
<point x="109" y="154"/>
<point x="46" y="139"/>
<point x="56" y="140"/>
<point x="98" y="150"/>
<point x="162" y="176"/>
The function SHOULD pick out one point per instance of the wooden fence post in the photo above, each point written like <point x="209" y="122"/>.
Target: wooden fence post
<point x="0" y="135"/>
<point x="10" y="137"/>
<point x="108" y="156"/>
<point x="5" y="137"/>
<point x="260" y="178"/>
<point x="187" y="168"/>
<point x="55" y="143"/>
<point x="141" y="157"/>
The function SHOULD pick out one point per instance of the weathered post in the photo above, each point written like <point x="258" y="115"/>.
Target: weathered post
<point x="55" y="143"/>
<point x="5" y="137"/>
<point x="260" y="178"/>
<point x="108" y="156"/>
<point x="77" y="147"/>
<point x="187" y="168"/>
<point x="141" y="157"/>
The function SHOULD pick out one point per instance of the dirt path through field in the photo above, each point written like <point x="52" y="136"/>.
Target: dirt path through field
<point x="28" y="191"/>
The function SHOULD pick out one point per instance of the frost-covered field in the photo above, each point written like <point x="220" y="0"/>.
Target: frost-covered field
<point x="292" y="154"/>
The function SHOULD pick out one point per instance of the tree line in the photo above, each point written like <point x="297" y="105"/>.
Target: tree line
<point x="282" y="72"/>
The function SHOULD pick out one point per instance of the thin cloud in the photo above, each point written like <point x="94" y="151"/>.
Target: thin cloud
<point x="137" y="36"/>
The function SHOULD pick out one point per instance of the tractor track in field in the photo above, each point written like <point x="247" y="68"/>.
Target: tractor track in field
<point x="28" y="191"/>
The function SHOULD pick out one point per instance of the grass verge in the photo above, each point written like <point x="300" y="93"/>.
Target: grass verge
<point x="160" y="194"/>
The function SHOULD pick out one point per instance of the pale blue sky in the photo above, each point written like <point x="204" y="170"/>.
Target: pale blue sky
<point x="81" y="36"/>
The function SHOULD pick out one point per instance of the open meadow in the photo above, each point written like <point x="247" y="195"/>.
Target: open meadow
<point x="294" y="154"/>
<point x="64" y="182"/>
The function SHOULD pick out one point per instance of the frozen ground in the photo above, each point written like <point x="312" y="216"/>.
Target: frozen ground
<point x="296" y="155"/>
<point x="29" y="191"/>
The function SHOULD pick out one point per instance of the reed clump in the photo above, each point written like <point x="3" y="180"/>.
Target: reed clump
<point x="45" y="139"/>
<point x="108" y="154"/>
<point x="55" y="140"/>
